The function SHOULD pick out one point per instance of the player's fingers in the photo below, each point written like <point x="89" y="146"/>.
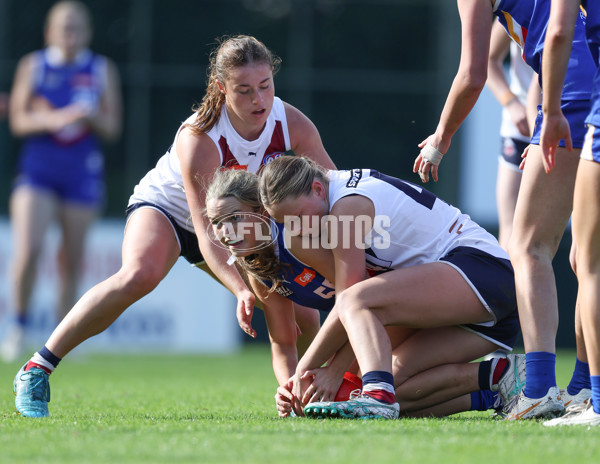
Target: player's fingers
<point x="417" y="164"/>
<point x="434" y="172"/>
<point x="548" y="161"/>
<point x="424" y="171"/>
<point x="309" y="374"/>
<point x="308" y="394"/>
<point x="569" y="143"/>
<point x="283" y="393"/>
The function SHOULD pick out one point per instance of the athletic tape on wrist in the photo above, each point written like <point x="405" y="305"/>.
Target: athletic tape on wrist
<point x="431" y="154"/>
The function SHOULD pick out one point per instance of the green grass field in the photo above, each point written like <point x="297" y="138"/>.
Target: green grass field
<point x="218" y="409"/>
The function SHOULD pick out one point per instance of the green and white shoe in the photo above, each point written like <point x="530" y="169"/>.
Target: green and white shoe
<point x="513" y="380"/>
<point x="362" y="407"/>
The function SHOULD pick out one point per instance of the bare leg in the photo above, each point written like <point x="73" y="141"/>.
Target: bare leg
<point x="579" y="341"/>
<point x="31" y="212"/>
<point x="434" y="366"/>
<point x="508" y="182"/>
<point x="404" y="297"/>
<point x="586" y="229"/>
<point x="75" y="221"/>
<point x="149" y="251"/>
<point x="453" y="406"/>
<point x="543" y="209"/>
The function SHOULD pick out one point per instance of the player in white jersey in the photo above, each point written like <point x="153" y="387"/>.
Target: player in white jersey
<point x="432" y="267"/>
<point x="259" y="246"/>
<point x="240" y="89"/>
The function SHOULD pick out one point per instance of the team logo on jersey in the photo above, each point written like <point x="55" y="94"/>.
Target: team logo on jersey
<point x="283" y="291"/>
<point x="273" y="156"/>
<point x="355" y="178"/>
<point x="305" y="277"/>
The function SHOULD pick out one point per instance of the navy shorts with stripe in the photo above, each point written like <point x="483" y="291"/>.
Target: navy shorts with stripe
<point x="188" y="242"/>
<point x="494" y="281"/>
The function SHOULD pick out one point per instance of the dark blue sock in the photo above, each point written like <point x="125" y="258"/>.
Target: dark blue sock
<point x="580" y="378"/>
<point x="484" y="373"/>
<point x="483" y="400"/>
<point x="541" y="375"/>
<point x="377" y="376"/>
<point x="595" y="384"/>
<point x="49" y="356"/>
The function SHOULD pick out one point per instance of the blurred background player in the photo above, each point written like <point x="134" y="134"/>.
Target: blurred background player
<point x="64" y="99"/>
<point x="545" y="200"/>
<point x="586" y="203"/>
<point x="240" y="124"/>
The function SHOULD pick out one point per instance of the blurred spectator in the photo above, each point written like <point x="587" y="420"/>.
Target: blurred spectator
<point x="64" y="99"/>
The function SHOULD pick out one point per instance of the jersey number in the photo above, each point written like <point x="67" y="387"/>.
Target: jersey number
<point x="326" y="291"/>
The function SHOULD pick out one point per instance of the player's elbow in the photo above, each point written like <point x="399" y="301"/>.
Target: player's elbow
<point x="558" y="35"/>
<point x="472" y="82"/>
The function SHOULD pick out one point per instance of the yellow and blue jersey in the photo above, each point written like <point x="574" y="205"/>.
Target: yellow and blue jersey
<point x="526" y="22"/>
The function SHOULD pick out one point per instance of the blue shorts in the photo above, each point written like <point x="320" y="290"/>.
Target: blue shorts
<point x="74" y="174"/>
<point x="188" y="242"/>
<point x="493" y="281"/>
<point x="591" y="146"/>
<point x="511" y="151"/>
<point x="576" y="111"/>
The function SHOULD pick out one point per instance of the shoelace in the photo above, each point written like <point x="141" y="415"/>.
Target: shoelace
<point x="354" y="394"/>
<point x="36" y="383"/>
<point x="576" y="409"/>
<point x="508" y="406"/>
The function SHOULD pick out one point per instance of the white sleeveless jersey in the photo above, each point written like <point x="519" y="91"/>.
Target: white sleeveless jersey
<point x="519" y="74"/>
<point x="163" y="185"/>
<point x="412" y="226"/>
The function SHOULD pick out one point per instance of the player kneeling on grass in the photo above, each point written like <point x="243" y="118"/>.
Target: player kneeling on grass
<point x="284" y="286"/>
<point x="258" y="246"/>
<point x="439" y="278"/>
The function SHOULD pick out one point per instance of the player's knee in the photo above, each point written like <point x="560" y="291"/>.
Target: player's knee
<point x="139" y="280"/>
<point x="522" y="252"/>
<point x="347" y="303"/>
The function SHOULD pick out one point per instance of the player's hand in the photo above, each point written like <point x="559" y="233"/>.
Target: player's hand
<point x="324" y="385"/>
<point x="518" y="116"/>
<point x="244" y="311"/>
<point x="524" y="157"/>
<point x="299" y="386"/>
<point x="555" y="127"/>
<point x="284" y="399"/>
<point x="429" y="158"/>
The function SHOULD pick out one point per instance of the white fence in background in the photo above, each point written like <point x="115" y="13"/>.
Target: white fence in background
<point x="187" y="312"/>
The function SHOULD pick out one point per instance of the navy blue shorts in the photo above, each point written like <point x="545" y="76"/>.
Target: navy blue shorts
<point x="493" y="281"/>
<point x="511" y="151"/>
<point x="576" y="112"/>
<point x="188" y="242"/>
